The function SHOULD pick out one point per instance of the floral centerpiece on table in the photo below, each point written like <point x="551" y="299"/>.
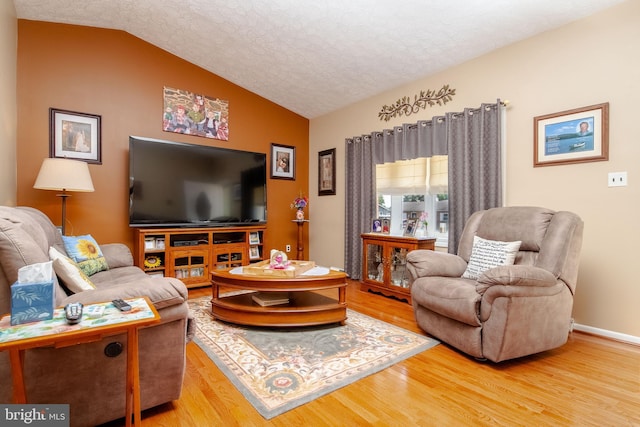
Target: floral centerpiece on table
<point x="423" y="219"/>
<point x="421" y="229"/>
<point x="299" y="203"/>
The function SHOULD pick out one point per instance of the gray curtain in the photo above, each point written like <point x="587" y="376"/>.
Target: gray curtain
<point x="475" y="166"/>
<point x="360" y="204"/>
<point x="471" y="139"/>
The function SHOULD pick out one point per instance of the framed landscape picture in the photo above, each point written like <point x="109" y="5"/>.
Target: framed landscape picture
<point x="75" y="135"/>
<point x="573" y="136"/>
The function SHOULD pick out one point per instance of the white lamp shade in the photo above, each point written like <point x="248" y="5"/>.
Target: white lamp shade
<point x="64" y="175"/>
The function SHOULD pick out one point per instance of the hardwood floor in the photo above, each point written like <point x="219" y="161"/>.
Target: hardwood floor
<point x="590" y="381"/>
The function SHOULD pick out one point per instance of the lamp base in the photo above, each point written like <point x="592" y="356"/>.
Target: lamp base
<point x="64" y="196"/>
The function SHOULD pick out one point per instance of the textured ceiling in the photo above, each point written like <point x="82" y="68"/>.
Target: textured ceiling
<point x="314" y="57"/>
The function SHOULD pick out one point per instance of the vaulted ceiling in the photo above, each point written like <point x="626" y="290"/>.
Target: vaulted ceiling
<point x="314" y="57"/>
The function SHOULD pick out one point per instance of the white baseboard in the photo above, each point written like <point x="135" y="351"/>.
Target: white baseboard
<point x="607" y="334"/>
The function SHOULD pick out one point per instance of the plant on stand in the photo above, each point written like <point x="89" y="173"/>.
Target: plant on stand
<point x="299" y="203"/>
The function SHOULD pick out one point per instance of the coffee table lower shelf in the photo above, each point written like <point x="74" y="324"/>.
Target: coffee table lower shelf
<point x="304" y="309"/>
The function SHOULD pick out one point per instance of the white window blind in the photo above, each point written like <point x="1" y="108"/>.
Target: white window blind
<point x="415" y="176"/>
<point x="438" y="175"/>
<point x="402" y="177"/>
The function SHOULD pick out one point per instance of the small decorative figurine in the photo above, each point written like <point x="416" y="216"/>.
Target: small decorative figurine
<point x="279" y="260"/>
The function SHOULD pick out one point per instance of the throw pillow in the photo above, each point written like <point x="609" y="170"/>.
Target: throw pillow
<point x="486" y="254"/>
<point x="84" y="250"/>
<point x="70" y="274"/>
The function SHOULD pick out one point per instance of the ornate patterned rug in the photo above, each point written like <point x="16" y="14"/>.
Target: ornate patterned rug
<point x="279" y="369"/>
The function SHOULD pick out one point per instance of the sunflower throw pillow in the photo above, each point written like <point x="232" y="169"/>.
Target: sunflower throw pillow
<point x="84" y="250"/>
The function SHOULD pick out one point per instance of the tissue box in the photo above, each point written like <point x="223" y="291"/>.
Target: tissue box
<point x="32" y="302"/>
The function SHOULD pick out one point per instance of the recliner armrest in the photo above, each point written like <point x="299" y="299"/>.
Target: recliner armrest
<point x="515" y="275"/>
<point x="163" y="292"/>
<point x="423" y="263"/>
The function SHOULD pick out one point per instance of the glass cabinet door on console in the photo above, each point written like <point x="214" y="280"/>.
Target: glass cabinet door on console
<point x="384" y="264"/>
<point x="190" y="266"/>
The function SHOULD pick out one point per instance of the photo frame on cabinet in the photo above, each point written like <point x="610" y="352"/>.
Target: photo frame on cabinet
<point x="254" y="252"/>
<point x="283" y="162"/>
<point x="327" y="172"/>
<point x="75" y="135"/>
<point x="409" y="228"/>
<point x="376" y="225"/>
<point x="254" y="238"/>
<point x="386" y="225"/>
<point x="573" y="136"/>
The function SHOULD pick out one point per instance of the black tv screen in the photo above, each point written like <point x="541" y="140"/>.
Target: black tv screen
<point x="185" y="185"/>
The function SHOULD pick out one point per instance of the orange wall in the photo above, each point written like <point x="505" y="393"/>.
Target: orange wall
<point x="121" y="78"/>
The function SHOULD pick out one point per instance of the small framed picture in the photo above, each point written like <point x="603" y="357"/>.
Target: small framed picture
<point x="159" y="242"/>
<point x="254" y="238"/>
<point x="75" y="136"/>
<point x="327" y="172"/>
<point x="283" y="162"/>
<point x="409" y="228"/>
<point x="149" y="243"/>
<point x="574" y="136"/>
<point x="254" y="252"/>
<point x="376" y="225"/>
<point x="386" y="225"/>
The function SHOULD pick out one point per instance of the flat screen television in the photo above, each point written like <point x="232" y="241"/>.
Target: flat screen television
<point x="173" y="184"/>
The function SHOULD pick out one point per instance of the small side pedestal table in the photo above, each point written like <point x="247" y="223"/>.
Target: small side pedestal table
<point x="17" y="339"/>
<point x="300" y="222"/>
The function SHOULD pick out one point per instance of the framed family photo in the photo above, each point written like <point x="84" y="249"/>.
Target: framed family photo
<point x="573" y="136"/>
<point x="327" y="172"/>
<point x="75" y="136"/>
<point x="195" y="114"/>
<point x="283" y="161"/>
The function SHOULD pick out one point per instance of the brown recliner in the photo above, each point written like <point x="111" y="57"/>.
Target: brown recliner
<point x="509" y="311"/>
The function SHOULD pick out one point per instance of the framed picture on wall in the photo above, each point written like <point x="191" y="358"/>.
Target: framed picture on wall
<point x="75" y="135"/>
<point x="573" y="136"/>
<point x="283" y="162"/>
<point x="327" y="172"/>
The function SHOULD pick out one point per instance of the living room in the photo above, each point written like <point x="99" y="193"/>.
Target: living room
<point x="120" y="77"/>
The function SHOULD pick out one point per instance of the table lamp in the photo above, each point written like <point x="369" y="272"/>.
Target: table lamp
<point x="64" y="175"/>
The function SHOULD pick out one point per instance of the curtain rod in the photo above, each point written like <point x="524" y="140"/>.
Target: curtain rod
<point x="504" y="103"/>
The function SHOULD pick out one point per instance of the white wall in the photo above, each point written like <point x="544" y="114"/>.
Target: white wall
<point x="591" y="61"/>
<point x="8" y="102"/>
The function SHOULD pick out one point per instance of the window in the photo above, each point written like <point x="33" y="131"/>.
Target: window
<point x="409" y="187"/>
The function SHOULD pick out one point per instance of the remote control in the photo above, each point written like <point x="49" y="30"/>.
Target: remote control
<point x="121" y="305"/>
<point x="73" y="312"/>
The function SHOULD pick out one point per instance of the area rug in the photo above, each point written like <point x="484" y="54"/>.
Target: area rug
<point x="279" y="369"/>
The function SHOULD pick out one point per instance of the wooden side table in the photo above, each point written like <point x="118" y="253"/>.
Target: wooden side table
<point x="17" y="339"/>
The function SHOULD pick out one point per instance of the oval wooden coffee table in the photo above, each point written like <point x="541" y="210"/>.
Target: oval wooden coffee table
<point x="308" y="303"/>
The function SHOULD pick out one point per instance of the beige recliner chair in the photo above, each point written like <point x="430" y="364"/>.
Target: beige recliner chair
<point x="509" y="311"/>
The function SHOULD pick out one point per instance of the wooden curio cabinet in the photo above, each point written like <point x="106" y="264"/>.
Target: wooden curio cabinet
<point x="384" y="268"/>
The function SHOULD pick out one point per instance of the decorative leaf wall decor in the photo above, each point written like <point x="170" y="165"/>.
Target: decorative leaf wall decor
<point x="405" y="107"/>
